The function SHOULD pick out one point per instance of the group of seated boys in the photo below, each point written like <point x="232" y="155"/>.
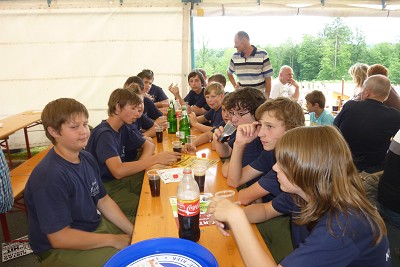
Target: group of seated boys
<point x="83" y="196"/>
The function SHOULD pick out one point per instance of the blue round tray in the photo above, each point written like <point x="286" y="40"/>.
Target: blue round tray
<point x="169" y="252"/>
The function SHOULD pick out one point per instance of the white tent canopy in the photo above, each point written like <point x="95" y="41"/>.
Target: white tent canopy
<point x="85" y="49"/>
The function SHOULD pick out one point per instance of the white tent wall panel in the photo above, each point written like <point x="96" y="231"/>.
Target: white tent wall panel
<point x="85" y="54"/>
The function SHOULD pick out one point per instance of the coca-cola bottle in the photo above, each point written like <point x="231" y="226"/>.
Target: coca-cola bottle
<point x="188" y="207"/>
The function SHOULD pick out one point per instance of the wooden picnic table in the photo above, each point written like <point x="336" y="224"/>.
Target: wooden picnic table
<point x="155" y="218"/>
<point x="14" y="123"/>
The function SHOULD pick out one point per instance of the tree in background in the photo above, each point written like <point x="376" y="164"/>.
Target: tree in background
<point x="327" y="56"/>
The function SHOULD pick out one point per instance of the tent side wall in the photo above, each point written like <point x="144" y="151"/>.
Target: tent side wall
<point x="86" y="53"/>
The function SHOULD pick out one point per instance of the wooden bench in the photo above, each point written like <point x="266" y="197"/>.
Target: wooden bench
<point x="19" y="177"/>
<point x="20" y="174"/>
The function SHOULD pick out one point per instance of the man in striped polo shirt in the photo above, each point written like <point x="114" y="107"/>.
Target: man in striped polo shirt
<point x="251" y="65"/>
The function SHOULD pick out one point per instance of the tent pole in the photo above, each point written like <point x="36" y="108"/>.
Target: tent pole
<point x="192" y="53"/>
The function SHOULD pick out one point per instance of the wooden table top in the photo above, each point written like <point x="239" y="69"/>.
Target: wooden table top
<point x="18" y="121"/>
<point x="155" y="218"/>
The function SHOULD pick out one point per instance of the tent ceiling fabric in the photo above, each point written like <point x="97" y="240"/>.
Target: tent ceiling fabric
<point x="333" y="8"/>
<point x="330" y="8"/>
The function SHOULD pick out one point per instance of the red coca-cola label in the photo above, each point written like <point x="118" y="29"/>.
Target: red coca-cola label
<point x="188" y="207"/>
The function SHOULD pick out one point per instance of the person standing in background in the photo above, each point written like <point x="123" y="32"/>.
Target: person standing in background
<point x="251" y="65"/>
<point x="284" y="85"/>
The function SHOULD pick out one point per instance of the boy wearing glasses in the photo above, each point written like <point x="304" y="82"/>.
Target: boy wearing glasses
<point x="214" y="93"/>
<point x="241" y="106"/>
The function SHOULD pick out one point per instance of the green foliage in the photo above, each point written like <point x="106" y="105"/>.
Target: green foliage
<point x="327" y="56"/>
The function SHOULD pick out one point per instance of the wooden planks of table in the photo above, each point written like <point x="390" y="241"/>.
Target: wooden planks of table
<point x="155" y="218"/>
<point x="15" y="123"/>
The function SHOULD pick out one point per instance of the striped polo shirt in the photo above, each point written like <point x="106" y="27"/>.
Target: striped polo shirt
<point x="253" y="70"/>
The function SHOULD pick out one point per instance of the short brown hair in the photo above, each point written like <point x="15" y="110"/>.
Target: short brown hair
<point x="377" y="69"/>
<point x="316" y="96"/>
<point x="285" y="110"/>
<point x="122" y="97"/>
<point x="216" y="87"/>
<point x="195" y="73"/>
<point x="60" y="111"/>
<point x="217" y="77"/>
<point x="146" y="73"/>
<point x="247" y="98"/>
<point x="134" y="79"/>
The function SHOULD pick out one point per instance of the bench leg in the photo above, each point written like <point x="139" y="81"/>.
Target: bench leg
<point x="4" y="227"/>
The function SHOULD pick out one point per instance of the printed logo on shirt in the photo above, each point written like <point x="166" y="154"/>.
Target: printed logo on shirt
<point x="94" y="190"/>
<point x="123" y="152"/>
<point x="388" y="254"/>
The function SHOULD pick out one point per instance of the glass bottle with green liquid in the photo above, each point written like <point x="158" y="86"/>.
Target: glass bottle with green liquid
<point x="184" y="126"/>
<point x="171" y="118"/>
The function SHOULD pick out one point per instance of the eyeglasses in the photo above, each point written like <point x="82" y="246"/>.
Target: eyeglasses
<point x="237" y="114"/>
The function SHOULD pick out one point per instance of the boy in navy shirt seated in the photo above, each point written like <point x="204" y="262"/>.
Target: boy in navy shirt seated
<point x="214" y="93"/>
<point x="64" y="194"/>
<point x="114" y="145"/>
<point x="195" y="98"/>
<point x="241" y="106"/>
<point x="150" y="109"/>
<point x="274" y="118"/>
<point x="154" y="92"/>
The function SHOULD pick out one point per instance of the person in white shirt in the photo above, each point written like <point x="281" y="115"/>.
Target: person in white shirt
<point x="284" y="85"/>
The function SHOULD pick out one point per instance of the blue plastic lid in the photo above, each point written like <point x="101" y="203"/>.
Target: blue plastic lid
<point x="168" y="251"/>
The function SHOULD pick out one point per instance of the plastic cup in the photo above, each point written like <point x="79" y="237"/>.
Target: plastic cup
<point x="199" y="173"/>
<point x="228" y="194"/>
<point x="190" y="145"/>
<point x="177" y="146"/>
<point x="154" y="182"/>
<point x="159" y="133"/>
<point x="229" y="129"/>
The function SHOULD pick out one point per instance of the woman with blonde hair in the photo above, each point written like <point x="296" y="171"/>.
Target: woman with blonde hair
<point x="333" y="224"/>
<point x="358" y="73"/>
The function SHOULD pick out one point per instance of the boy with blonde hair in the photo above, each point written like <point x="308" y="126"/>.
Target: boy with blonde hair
<point x="214" y="93"/>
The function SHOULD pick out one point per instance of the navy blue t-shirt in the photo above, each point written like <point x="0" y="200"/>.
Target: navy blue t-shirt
<point x="143" y="123"/>
<point x="157" y="93"/>
<point x="214" y="117"/>
<point x="60" y="194"/>
<point x="196" y="99"/>
<point x="150" y="109"/>
<point x="252" y="150"/>
<point x="269" y="182"/>
<point x="105" y="143"/>
<point x="350" y="245"/>
<point x="264" y="162"/>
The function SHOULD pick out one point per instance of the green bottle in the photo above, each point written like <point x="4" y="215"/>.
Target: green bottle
<point x="184" y="126"/>
<point x="171" y="118"/>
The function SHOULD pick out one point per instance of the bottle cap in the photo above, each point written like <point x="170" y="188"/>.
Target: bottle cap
<point x="175" y="176"/>
<point x="203" y="155"/>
